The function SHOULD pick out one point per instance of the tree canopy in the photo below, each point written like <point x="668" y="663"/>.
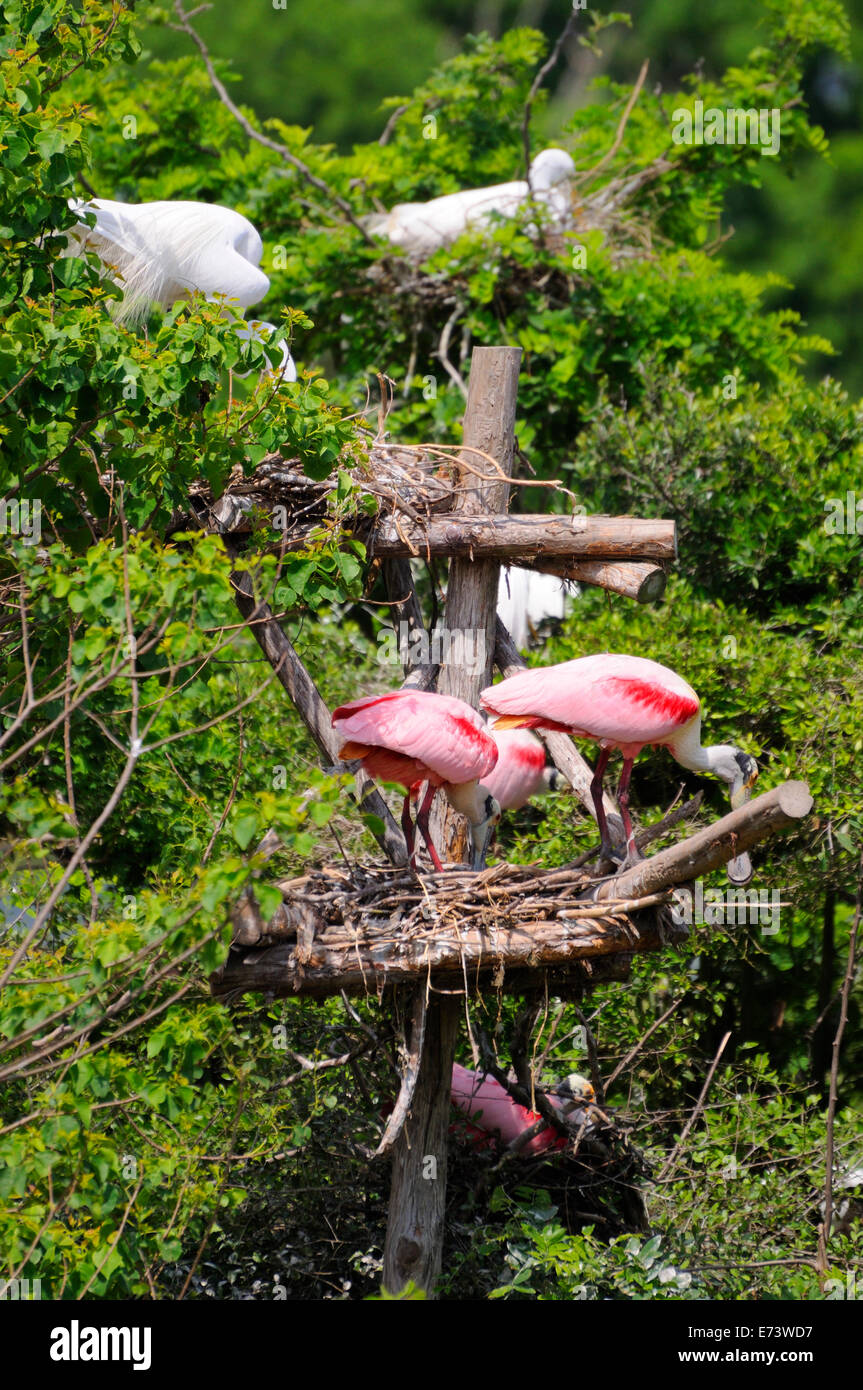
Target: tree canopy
<point x="153" y="1142"/>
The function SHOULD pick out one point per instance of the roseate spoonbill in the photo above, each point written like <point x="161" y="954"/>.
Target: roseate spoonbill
<point x="424" y="227"/>
<point x="525" y="598"/>
<point x="520" y="771"/>
<point x="491" y="1110"/>
<point x="624" y="702"/>
<point x="163" y="251"/>
<point x="417" y="736"/>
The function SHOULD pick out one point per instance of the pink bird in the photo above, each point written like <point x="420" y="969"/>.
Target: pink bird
<point x="623" y="702"/>
<point x="492" y="1111"/>
<point x="520" y="771"/>
<point x="417" y="736"/>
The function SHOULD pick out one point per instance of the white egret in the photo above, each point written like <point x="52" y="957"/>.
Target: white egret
<point x="424" y="227"/>
<point x="525" y="598"/>
<point x="160" y="252"/>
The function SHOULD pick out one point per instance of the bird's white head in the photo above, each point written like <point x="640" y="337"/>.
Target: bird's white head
<point x="734" y="767"/>
<point x="550" y="167"/>
<point x="483" y="814"/>
<point x="577" y="1089"/>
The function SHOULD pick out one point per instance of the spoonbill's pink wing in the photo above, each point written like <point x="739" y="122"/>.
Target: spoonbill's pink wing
<point x="487" y="1105"/>
<point x="626" y="701"/>
<point x="518" y="774"/>
<point x="440" y="731"/>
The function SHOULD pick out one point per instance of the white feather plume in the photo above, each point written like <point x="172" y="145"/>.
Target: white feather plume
<point x="163" y="251"/>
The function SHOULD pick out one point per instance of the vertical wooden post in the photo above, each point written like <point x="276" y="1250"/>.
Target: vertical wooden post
<point x="471" y="596"/>
<point x="414" y="1240"/>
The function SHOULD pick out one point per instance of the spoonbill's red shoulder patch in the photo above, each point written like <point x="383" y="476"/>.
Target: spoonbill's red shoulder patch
<point x="668" y="704"/>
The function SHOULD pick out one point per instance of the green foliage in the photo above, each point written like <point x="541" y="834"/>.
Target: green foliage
<point x="147" y="747"/>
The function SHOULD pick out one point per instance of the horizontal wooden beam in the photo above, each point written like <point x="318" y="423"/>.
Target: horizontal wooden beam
<point x="510" y="537"/>
<point x="713" y="846"/>
<point x="362" y="963"/>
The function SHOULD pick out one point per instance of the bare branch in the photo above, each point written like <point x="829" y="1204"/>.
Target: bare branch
<point x="282" y="150"/>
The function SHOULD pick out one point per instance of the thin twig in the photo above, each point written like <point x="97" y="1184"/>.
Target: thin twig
<point x="590" y="174"/>
<point x="443" y="349"/>
<point x="672" y="1159"/>
<point x="538" y="80"/>
<point x="282" y="150"/>
<point x="634" y="1051"/>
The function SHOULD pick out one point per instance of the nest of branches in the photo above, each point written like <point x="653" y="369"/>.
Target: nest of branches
<point x="436" y="300"/>
<point x="364" y="930"/>
<point x="593" y="1182"/>
<point x="416" y="480"/>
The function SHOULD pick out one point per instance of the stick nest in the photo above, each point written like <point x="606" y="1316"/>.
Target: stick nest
<point x="366" y="929"/>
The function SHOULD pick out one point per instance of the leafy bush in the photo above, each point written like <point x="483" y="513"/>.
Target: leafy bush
<point x="146" y="746"/>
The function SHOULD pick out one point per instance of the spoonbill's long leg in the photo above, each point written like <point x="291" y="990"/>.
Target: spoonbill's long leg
<point x="607" y="849"/>
<point x="632" y="854"/>
<point x="423" y="825"/>
<point x="408" y="828"/>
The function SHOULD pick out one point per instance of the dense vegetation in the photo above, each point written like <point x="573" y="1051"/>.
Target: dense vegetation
<point x="152" y="1142"/>
<point x="798" y="221"/>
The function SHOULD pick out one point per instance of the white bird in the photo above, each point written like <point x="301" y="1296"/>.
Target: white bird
<point x="160" y="252"/>
<point x="424" y="227"/>
<point x="163" y="251"/>
<point x="525" y="598"/>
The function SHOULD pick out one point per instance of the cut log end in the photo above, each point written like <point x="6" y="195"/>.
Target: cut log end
<point x="795" y="799"/>
<point x="652" y="587"/>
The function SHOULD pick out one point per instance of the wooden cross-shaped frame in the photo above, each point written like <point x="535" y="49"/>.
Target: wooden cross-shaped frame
<point x="618" y="553"/>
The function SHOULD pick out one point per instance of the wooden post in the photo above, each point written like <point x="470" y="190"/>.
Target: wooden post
<point x="418" y="1193"/>
<point x="471" y="599"/>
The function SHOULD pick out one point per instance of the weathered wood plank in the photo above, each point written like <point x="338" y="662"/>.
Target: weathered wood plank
<point x="484" y="536"/>
<point x="363" y="964"/>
